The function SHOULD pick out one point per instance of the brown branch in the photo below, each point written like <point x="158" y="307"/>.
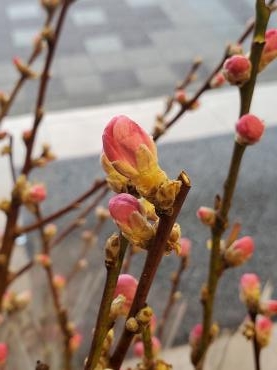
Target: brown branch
<point x="153" y="259"/>
<point x="11" y="159"/>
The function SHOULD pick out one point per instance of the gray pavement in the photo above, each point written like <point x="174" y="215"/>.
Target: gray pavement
<point x="121" y="50"/>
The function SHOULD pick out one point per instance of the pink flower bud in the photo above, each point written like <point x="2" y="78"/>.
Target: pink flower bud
<point x="237" y="69"/>
<point x="239" y="252"/>
<point x="126" y="211"/>
<point x="249" y="129"/>
<point x="122" y="138"/>
<point x="206" y="215"/>
<point x="218" y="80"/>
<point x="270" y="49"/>
<point x="263" y="329"/>
<point x="3" y="353"/>
<point x="185" y="247"/>
<point x="36" y="193"/>
<point x="122" y="206"/>
<point x="126" y="286"/>
<point x="75" y="341"/>
<point x="250" y="289"/>
<point x="195" y="335"/>
<point x="269" y="307"/>
<point x="139" y="347"/>
<point x="43" y="259"/>
<point x="23" y="299"/>
<point x="180" y="96"/>
<point x="59" y="281"/>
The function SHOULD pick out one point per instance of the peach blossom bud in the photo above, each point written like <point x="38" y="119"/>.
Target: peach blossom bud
<point x="250" y="289"/>
<point x="3" y="353"/>
<point x="239" y="252"/>
<point x="139" y="347"/>
<point x="127" y="212"/>
<point x="23" y="299"/>
<point x="185" y="247"/>
<point x="249" y="129"/>
<point x="270" y="49"/>
<point x="50" y="230"/>
<point x="126" y="286"/>
<point x="36" y="193"/>
<point x="269" y="307"/>
<point x="206" y="215"/>
<point x="218" y="80"/>
<point x="237" y="69"/>
<point x="23" y="68"/>
<point x="263" y="329"/>
<point x="26" y="135"/>
<point x="180" y="96"/>
<point x="3" y="135"/>
<point x="59" y="281"/>
<point x="75" y="341"/>
<point x="43" y="259"/>
<point x="122" y="137"/>
<point x="196" y="335"/>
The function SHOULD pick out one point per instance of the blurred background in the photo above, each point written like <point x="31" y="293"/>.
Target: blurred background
<point x="121" y="50"/>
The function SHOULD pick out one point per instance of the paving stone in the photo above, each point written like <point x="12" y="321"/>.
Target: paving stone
<point x="142" y="3"/>
<point x="89" y="16"/>
<point x="23" y="10"/>
<point x="143" y="56"/>
<point x="103" y="44"/>
<point x="111" y="61"/>
<point x="155" y="76"/>
<point x="73" y="65"/>
<point x="119" y="80"/>
<point x="132" y="40"/>
<point x="152" y="17"/>
<point x="23" y="37"/>
<point x="74" y="85"/>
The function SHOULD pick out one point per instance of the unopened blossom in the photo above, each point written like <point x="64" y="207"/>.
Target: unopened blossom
<point x="263" y="330"/>
<point x="133" y="153"/>
<point x="128" y="214"/>
<point x="23" y="68"/>
<point x="117" y="182"/>
<point x="126" y="286"/>
<point x="185" y="244"/>
<point x="269" y="307"/>
<point x="34" y="194"/>
<point x="249" y="129"/>
<point x="3" y="353"/>
<point x="59" y="281"/>
<point x="218" y="80"/>
<point x="139" y="347"/>
<point x="50" y="230"/>
<point x="180" y="96"/>
<point x="43" y="259"/>
<point x="195" y="335"/>
<point x="50" y="5"/>
<point x="270" y="48"/>
<point x="23" y="299"/>
<point x="173" y="242"/>
<point x="239" y="251"/>
<point x="237" y="69"/>
<point x="250" y="289"/>
<point x="206" y="215"/>
<point x="75" y="341"/>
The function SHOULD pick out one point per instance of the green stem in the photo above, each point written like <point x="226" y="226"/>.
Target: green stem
<point x="148" y="347"/>
<point x="153" y="259"/>
<point x="103" y="322"/>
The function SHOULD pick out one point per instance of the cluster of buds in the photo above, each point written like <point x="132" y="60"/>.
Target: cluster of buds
<point x="133" y="154"/>
<point x="45" y="157"/>
<point x="262" y="311"/>
<point x="13" y="302"/>
<point x="129" y="215"/>
<point x="249" y="129"/>
<point x="237" y="69"/>
<point x="29" y="194"/>
<point x="43" y="259"/>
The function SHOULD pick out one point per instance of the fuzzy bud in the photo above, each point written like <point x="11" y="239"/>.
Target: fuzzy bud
<point x="128" y="214"/>
<point x="59" y="281"/>
<point x="180" y="96"/>
<point x="49" y="231"/>
<point x="249" y="129"/>
<point x="250" y="290"/>
<point x="3" y="353"/>
<point x="132" y="325"/>
<point x="206" y="215"/>
<point x="75" y="341"/>
<point x="239" y="252"/>
<point x="270" y="49"/>
<point x="144" y="315"/>
<point x="43" y="259"/>
<point x="263" y="329"/>
<point x="185" y="247"/>
<point x="24" y="69"/>
<point x="269" y="307"/>
<point x="126" y="286"/>
<point x="218" y="80"/>
<point x="237" y="69"/>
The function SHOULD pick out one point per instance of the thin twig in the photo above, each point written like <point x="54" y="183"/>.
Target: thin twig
<point x="11" y="160"/>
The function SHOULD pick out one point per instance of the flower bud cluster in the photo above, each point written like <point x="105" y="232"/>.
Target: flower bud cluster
<point x="13" y="302"/>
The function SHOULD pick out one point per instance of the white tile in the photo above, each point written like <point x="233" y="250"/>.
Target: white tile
<point x="23" y="10"/>
<point x="24" y="37"/>
<point x="89" y="16"/>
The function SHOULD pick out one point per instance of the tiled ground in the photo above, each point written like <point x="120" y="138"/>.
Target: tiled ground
<point x="114" y="50"/>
